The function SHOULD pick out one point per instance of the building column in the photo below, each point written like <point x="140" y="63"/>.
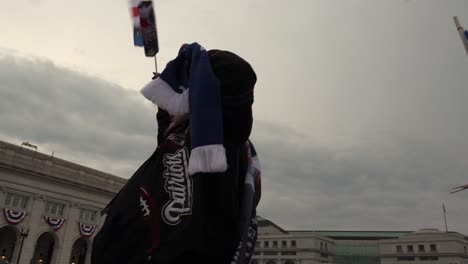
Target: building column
<point x="70" y="234"/>
<point x="33" y="220"/>
<point x="16" y="251"/>
<point x="88" y="252"/>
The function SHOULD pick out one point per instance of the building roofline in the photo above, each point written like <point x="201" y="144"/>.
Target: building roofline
<point x="355" y="231"/>
<point x="23" y="159"/>
<point x="58" y="161"/>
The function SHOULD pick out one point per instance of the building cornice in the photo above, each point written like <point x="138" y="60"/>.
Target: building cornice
<point x="39" y="165"/>
<point x="439" y="254"/>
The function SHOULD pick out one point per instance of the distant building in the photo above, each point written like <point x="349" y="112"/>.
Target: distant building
<point x="278" y="246"/>
<point x="50" y="207"/>
<point x="425" y="246"/>
<point x="275" y="246"/>
<point x="359" y="247"/>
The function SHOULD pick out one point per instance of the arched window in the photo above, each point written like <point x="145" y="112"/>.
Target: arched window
<point x="8" y="239"/>
<point x="44" y="250"/>
<point x="79" y="251"/>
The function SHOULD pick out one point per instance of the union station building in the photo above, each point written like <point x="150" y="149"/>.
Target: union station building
<point x="50" y="207"/>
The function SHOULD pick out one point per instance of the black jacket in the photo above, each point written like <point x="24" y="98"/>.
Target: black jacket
<point x="164" y="216"/>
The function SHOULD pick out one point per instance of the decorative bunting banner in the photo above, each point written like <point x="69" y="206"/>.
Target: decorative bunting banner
<point x="55" y="223"/>
<point x="87" y="230"/>
<point x="13" y="217"/>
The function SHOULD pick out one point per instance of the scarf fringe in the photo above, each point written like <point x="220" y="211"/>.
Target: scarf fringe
<point x="161" y="94"/>
<point x="209" y="158"/>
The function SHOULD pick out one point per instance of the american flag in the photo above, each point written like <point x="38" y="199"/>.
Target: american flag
<point x="135" y="13"/>
<point x="144" y="26"/>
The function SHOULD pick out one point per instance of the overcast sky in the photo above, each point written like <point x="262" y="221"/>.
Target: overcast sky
<point x="360" y="106"/>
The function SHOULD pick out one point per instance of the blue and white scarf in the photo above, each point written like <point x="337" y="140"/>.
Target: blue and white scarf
<point x="189" y="85"/>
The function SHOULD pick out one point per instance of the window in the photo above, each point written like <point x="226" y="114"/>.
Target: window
<point x="321" y="245"/>
<point x="293" y="243"/>
<point x="465" y="249"/>
<point x="433" y="247"/>
<point x="257" y="244"/>
<point x="323" y="255"/>
<point x="405" y="258"/>
<point x="87" y="215"/>
<point x="399" y="249"/>
<point x="421" y="248"/>
<point x="275" y="244"/>
<point x="410" y="249"/>
<point x="426" y="258"/>
<point x="16" y="201"/>
<point x="266" y="244"/>
<point x="288" y="253"/>
<point x="326" y="247"/>
<point x="283" y="243"/>
<point x="270" y="253"/>
<point x="54" y="209"/>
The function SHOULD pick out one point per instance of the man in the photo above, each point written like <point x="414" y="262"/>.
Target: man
<point x="190" y="216"/>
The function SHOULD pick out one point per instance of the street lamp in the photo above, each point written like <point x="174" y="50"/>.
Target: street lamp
<point x="24" y="233"/>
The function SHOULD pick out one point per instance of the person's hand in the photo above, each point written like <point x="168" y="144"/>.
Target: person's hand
<point x="155" y="75"/>
<point x="176" y="120"/>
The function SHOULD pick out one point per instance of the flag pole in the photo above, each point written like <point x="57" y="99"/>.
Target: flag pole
<point x="156" y="64"/>
<point x="461" y="32"/>
<point x="445" y="217"/>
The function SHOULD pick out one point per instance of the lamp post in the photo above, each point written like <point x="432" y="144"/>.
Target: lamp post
<point x="23" y="234"/>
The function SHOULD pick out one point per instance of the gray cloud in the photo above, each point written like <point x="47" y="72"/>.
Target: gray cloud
<point x="390" y="184"/>
<point x="54" y="106"/>
<point x="382" y="181"/>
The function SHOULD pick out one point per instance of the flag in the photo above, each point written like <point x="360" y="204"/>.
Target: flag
<point x="137" y="37"/>
<point x="466" y="35"/>
<point x="144" y="26"/>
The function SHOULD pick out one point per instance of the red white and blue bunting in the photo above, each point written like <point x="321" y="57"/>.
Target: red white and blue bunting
<point x="55" y="223"/>
<point x="87" y="230"/>
<point x="13" y="217"/>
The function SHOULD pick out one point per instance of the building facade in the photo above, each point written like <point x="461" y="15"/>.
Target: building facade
<point x="359" y="247"/>
<point x="50" y="207"/>
<point x="425" y="246"/>
<point x="278" y="246"/>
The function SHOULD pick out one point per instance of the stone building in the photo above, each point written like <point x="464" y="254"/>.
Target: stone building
<point x="50" y="207"/>
<point x="429" y="246"/>
<point x="278" y="246"/>
<point x="359" y="247"/>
